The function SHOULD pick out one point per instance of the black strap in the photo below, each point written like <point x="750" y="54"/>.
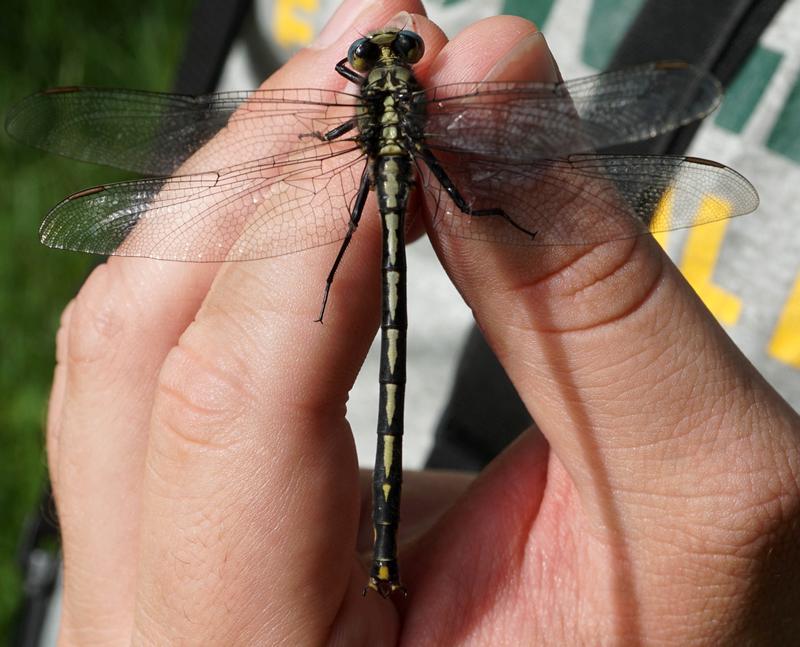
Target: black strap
<point x="715" y="36"/>
<point x="39" y="562"/>
<point x="213" y="28"/>
<point x="484" y="413"/>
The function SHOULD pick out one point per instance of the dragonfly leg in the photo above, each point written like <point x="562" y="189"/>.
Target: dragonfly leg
<point x="355" y="216"/>
<point x="349" y="74"/>
<point x="452" y="190"/>
<point x="332" y="134"/>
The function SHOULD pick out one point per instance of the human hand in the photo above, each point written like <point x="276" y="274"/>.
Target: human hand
<point x="207" y="483"/>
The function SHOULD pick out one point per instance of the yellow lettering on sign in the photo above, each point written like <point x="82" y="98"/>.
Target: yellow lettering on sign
<point x="700" y="256"/>
<point x="699" y="260"/>
<point x="288" y="27"/>
<point x="661" y="217"/>
<point x="785" y="343"/>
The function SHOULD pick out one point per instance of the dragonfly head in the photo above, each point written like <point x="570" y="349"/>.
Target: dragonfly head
<point x="397" y="47"/>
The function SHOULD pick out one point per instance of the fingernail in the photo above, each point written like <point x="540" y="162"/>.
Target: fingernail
<point x="342" y="20"/>
<point x="401" y="20"/>
<point x="530" y="59"/>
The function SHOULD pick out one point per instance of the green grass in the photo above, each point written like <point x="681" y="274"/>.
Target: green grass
<point x="46" y="43"/>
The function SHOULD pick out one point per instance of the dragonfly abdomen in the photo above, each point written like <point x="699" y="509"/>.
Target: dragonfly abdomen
<point x="393" y="176"/>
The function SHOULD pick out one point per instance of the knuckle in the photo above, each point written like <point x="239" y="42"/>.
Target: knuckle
<point x="96" y="319"/>
<point x="595" y="286"/>
<point x="202" y="393"/>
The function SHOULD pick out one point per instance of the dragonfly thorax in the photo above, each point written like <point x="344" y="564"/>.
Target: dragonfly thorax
<point x="392" y="115"/>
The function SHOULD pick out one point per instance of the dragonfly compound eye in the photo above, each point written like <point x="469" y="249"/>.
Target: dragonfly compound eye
<point x="363" y="54"/>
<point x="408" y="46"/>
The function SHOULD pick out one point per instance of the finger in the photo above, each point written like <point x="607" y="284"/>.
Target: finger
<point x="251" y="474"/>
<point x="126" y="317"/>
<point x="121" y="326"/>
<point x="641" y="395"/>
<point x="57" y="391"/>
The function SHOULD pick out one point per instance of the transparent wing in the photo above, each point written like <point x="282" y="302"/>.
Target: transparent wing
<point x="265" y="208"/>
<point x="588" y="199"/>
<point x="528" y="121"/>
<point x="276" y="193"/>
<point x="154" y="133"/>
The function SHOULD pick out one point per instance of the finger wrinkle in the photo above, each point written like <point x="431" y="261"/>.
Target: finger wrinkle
<point x="607" y="299"/>
<point x="257" y="289"/>
<point x="237" y="323"/>
<point x="202" y="391"/>
<point x="603" y="262"/>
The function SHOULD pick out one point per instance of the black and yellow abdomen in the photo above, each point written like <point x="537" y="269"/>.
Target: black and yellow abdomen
<point x="392" y="178"/>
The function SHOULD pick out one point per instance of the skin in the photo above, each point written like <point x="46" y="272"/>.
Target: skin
<point x="207" y="482"/>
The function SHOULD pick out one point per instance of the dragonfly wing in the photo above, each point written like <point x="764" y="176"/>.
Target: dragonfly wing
<point x="255" y="210"/>
<point x="588" y="199"/>
<point x="528" y="121"/>
<point x="154" y="133"/>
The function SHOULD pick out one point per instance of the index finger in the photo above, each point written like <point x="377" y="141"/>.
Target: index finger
<point x="252" y="475"/>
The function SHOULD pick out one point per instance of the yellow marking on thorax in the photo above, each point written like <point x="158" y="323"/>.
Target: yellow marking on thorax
<point x="391" y="148"/>
<point x="391" y="402"/>
<point x="393" y="279"/>
<point x="392" y="335"/>
<point x="389" y="113"/>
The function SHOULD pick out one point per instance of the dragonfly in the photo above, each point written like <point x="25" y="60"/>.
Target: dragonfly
<point x="503" y="162"/>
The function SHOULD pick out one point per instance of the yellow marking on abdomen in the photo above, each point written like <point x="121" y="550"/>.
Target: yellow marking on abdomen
<point x="388" y="448"/>
<point x="391" y="170"/>
<point x="392" y="335"/>
<point x="386" y="489"/>
<point x="393" y="279"/>
<point x="391" y="401"/>
<point x="392" y="225"/>
<point x="383" y="573"/>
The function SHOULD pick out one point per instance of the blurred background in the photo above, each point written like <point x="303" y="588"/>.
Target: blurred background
<point x="45" y="43"/>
